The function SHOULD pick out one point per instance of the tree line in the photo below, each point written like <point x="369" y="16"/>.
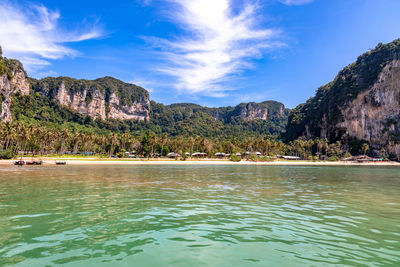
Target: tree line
<point x="20" y="138"/>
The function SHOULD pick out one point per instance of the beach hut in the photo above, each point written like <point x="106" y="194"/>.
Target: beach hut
<point x="199" y="155"/>
<point x="291" y="157"/>
<point x="363" y="159"/>
<point x="173" y="155"/>
<point x="220" y="155"/>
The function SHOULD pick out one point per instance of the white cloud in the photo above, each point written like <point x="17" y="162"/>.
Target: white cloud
<point x="145" y="83"/>
<point x="295" y="2"/>
<point x="217" y="44"/>
<point x="144" y="2"/>
<point x="46" y="74"/>
<point x="32" y="34"/>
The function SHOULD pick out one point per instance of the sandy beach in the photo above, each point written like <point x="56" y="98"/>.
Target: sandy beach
<point x="98" y="162"/>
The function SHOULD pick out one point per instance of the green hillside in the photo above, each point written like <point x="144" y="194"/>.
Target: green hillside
<point x="174" y="120"/>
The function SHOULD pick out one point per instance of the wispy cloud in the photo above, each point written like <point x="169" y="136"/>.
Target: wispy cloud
<point x="295" y="2"/>
<point x="146" y="83"/>
<point x="217" y="43"/>
<point x="32" y="34"/>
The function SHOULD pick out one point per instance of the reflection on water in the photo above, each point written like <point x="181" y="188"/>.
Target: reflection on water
<point x="199" y="215"/>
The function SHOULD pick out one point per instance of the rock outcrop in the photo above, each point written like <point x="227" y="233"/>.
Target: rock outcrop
<point x="13" y="79"/>
<point x="251" y="111"/>
<point x="104" y="98"/>
<point x="139" y="110"/>
<point x="361" y="105"/>
<point x="375" y="114"/>
<point x="96" y="108"/>
<point x="262" y="111"/>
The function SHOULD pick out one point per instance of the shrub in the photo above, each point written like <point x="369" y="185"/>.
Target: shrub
<point x="254" y="158"/>
<point x="165" y="150"/>
<point x="235" y="158"/>
<point x="333" y="158"/>
<point x="6" y="154"/>
<point x="121" y="155"/>
<point x="347" y="155"/>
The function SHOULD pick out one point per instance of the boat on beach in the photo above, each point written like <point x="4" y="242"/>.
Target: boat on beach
<point x="61" y="163"/>
<point x="34" y="162"/>
<point x="19" y="162"/>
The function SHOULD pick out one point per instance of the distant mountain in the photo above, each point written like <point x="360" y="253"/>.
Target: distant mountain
<point x="245" y="119"/>
<point x="361" y="105"/>
<point x="110" y="104"/>
<point x="104" y="98"/>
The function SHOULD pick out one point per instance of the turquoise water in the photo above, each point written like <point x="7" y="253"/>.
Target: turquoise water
<point x="199" y="216"/>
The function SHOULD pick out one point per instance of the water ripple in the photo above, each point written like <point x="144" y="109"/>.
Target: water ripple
<point x="214" y="216"/>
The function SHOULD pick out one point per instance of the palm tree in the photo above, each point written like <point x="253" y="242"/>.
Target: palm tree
<point x="114" y="142"/>
<point x="153" y="142"/>
<point x="64" y="137"/>
<point x="365" y="148"/>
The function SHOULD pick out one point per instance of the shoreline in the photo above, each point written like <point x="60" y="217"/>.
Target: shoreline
<point x="110" y="162"/>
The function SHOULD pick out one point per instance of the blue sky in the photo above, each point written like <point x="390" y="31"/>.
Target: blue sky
<point x="210" y="52"/>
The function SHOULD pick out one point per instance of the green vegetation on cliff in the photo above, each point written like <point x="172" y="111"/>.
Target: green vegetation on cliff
<point x="174" y="120"/>
<point x="323" y="110"/>
<point x="126" y="92"/>
<point x="191" y="120"/>
<point x="6" y="66"/>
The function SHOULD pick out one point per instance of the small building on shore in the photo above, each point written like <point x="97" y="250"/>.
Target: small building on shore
<point x="362" y="159"/>
<point x="291" y="157"/>
<point x="173" y="155"/>
<point x="221" y="155"/>
<point x="199" y="155"/>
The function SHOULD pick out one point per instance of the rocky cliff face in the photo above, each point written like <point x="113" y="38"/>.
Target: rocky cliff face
<point x="13" y="79"/>
<point x="263" y="111"/>
<point x="362" y="104"/>
<point x="139" y="110"/>
<point x="105" y="98"/>
<point x="96" y="108"/>
<point x="375" y="114"/>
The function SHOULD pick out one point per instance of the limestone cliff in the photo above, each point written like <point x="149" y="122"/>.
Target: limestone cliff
<point x="139" y="110"/>
<point x="375" y="114"/>
<point x="77" y="101"/>
<point x="13" y="79"/>
<point x="251" y="111"/>
<point x="361" y="105"/>
<point x="263" y="111"/>
<point x="104" y="98"/>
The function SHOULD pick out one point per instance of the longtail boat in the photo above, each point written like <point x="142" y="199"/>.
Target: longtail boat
<point x="19" y="162"/>
<point x="34" y="162"/>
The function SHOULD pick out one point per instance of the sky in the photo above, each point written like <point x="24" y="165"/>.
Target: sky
<point x="210" y="52"/>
